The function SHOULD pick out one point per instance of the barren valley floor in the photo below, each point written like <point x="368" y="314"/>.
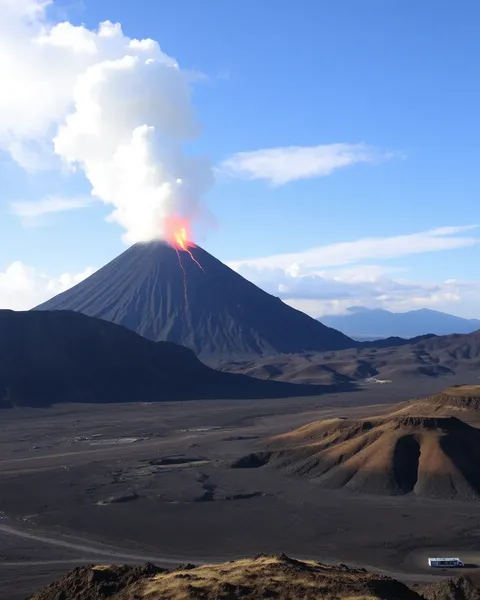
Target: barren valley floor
<point x="136" y="482"/>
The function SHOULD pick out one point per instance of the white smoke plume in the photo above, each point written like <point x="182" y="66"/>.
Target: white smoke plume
<point x="117" y="108"/>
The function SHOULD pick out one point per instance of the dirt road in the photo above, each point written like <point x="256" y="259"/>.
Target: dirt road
<point x="91" y="553"/>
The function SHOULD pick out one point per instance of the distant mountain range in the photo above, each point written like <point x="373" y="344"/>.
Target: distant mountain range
<point x="363" y="323"/>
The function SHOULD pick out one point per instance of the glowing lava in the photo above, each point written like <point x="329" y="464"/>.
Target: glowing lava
<point x="178" y="236"/>
<point x="181" y="239"/>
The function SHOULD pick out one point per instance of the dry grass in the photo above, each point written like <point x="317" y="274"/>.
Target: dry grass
<point x="279" y="578"/>
<point x="462" y="401"/>
<point x="463" y="390"/>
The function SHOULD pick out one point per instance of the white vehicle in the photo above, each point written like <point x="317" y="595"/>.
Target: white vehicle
<point x="448" y="563"/>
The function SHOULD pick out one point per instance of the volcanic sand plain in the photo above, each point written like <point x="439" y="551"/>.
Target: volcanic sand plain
<point x="127" y="483"/>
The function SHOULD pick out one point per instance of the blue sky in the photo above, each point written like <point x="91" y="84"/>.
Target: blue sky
<point x="395" y="76"/>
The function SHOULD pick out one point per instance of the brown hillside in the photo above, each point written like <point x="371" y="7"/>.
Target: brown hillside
<point x="460" y="400"/>
<point x="436" y="457"/>
<point x="280" y="577"/>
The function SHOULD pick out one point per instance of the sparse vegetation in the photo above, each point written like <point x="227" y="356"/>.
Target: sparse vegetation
<point x="276" y="577"/>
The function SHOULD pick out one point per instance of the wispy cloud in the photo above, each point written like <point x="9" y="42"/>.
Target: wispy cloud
<point x="329" y="279"/>
<point x="29" y="211"/>
<point x="33" y="155"/>
<point x="285" y="164"/>
<point x="324" y="296"/>
<point x="345" y="253"/>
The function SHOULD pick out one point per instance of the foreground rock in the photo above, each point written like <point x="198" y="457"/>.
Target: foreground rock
<point x="458" y="588"/>
<point x="281" y="578"/>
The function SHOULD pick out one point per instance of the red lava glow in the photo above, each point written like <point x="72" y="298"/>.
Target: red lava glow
<point x="178" y="236"/>
<point x="178" y="233"/>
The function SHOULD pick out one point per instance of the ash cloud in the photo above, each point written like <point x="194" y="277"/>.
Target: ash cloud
<point x="117" y="108"/>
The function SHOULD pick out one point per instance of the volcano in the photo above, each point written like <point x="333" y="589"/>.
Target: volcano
<point x="191" y="298"/>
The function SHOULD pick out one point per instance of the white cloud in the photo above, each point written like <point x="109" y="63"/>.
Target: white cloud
<point x="334" y="291"/>
<point x="32" y="210"/>
<point x="434" y="240"/>
<point x="285" y="164"/>
<point x="23" y="287"/>
<point x="117" y="108"/>
<point x="330" y="279"/>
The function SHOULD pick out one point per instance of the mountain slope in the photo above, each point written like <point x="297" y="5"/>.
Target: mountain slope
<point x="63" y="356"/>
<point x="462" y="401"/>
<point x="364" y="323"/>
<point x="201" y="304"/>
<point x="396" y="454"/>
<point x="425" y="357"/>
